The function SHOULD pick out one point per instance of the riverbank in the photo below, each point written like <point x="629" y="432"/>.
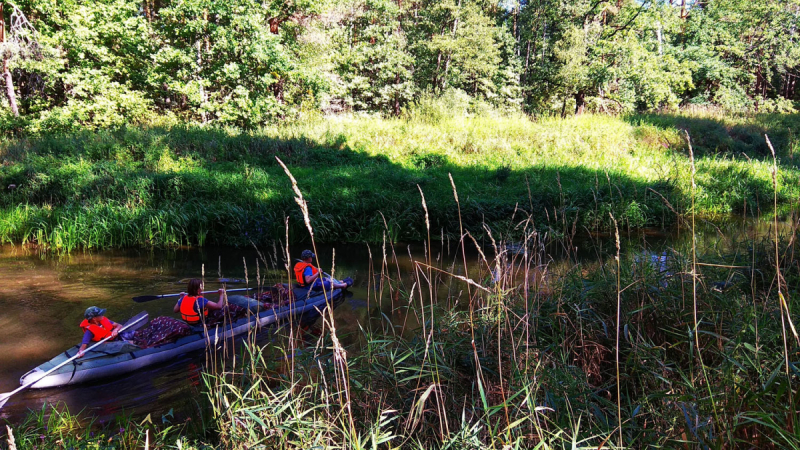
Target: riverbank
<point x="172" y="184"/>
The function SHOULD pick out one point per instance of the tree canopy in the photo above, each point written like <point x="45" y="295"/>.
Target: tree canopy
<point x="244" y="63"/>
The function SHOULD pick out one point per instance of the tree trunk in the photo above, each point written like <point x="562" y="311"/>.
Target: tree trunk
<point x="397" y="94"/>
<point x="277" y="90"/>
<point x="580" y="102"/>
<point x="274" y="23"/>
<point x="527" y="63"/>
<point x="515" y="32"/>
<point x="443" y="79"/>
<point x="199" y="78"/>
<point x="12" y="98"/>
<point x="436" y="72"/>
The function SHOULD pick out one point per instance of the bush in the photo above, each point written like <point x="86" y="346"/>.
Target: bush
<point x="777" y="105"/>
<point x="432" y="109"/>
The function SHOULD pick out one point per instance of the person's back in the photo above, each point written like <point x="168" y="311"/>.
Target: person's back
<point x="304" y="271"/>
<point x="192" y="306"/>
<point x="307" y="275"/>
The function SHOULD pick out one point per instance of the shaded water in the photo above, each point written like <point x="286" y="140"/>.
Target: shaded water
<point x="43" y="297"/>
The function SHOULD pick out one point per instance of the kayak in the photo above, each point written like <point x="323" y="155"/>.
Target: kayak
<point x="116" y="358"/>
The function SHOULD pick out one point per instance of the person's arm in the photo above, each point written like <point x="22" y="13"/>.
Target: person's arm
<point x="115" y="329"/>
<point x="87" y="337"/>
<point x="223" y="299"/>
<point x="310" y="278"/>
<point x="177" y="307"/>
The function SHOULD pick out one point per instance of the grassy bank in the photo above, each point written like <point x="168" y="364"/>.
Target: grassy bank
<point x="179" y="185"/>
<point x="690" y="346"/>
<point x="602" y="354"/>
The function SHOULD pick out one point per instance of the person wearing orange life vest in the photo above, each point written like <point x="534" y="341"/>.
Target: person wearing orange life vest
<point x="307" y="275"/>
<point x="96" y="327"/>
<point x="192" y="305"/>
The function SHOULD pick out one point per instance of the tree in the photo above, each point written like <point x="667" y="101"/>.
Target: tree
<point x="249" y="62"/>
<point x="746" y="52"/>
<point x="374" y="64"/>
<point x="17" y="41"/>
<point x="221" y="61"/>
<point x="464" y="45"/>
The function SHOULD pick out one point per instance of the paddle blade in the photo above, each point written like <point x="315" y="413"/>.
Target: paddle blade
<point x="137" y="321"/>
<point x="146" y="298"/>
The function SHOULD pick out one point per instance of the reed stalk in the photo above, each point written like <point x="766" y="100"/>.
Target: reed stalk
<point x="782" y="306"/>
<point x="696" y="330"/>
<point x="619" y="321"/>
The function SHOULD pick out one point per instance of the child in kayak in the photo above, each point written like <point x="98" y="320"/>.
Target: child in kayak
<point x="96" y="327"/>
<point x="190" y="305"/>
<point x="306" y="274"/>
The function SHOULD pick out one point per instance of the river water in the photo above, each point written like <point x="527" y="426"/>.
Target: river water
<point x="43" y="296"/>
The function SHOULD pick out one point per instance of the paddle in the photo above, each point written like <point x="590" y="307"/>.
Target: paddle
<point x="148" y="298"/>
<point x="324" y="273"/>
<point x="215" y="280"/>
<point x="331" y="277"/>
<point x="4" y="397"/>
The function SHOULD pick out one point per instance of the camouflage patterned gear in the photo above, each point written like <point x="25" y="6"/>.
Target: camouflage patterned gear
<point x="93" y="311"/>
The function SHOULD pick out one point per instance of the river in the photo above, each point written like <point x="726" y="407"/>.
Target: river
<point x="43" y="296"/>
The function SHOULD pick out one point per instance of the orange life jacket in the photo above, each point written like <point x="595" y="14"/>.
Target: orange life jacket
<point x="187" y="309"/>
<point x="99" y="332"/>
<point x="299" y="268"/>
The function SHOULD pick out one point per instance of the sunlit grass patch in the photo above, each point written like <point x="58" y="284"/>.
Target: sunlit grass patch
<point x="354" y="167"/>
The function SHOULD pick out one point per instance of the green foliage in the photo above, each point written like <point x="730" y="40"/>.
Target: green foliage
<point x="245" y="63"/>
<point x="374" y="63"/>
<point x="189" y="185"/>
<point x="745" y="53"/>
<point x="217" y="62"/>
<point x="657" y="55"/>
<point x="526" y="360"/>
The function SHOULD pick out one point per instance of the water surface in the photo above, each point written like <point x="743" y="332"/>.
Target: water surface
<point x="43" y="296"/>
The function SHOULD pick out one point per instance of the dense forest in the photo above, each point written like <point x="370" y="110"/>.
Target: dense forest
<point x="601" y="195"/>
<point x="245" y="63"/>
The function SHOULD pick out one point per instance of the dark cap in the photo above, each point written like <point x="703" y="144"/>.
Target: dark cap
<point x="93" y="311"/>
<point x="306" y="254"/>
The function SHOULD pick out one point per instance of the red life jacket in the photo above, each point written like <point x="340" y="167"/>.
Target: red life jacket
<point x="187" y="309"/>
<point x="299" y="268"/>
<point x="99" y="332"/>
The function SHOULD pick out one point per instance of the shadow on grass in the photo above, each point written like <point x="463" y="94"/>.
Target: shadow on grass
<point x="733" y="136"/>
<point x="190" y="186"/>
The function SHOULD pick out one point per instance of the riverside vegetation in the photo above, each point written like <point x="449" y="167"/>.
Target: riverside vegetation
<point x="157" y="123"/>
<point x="174" y="184"/>
<point x="629" y="351"/>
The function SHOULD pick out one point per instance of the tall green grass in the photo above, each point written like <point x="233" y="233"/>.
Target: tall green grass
<point x="184" y="185"/>
<point x="526" y="353"/>
<point x="526" y="360"/>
